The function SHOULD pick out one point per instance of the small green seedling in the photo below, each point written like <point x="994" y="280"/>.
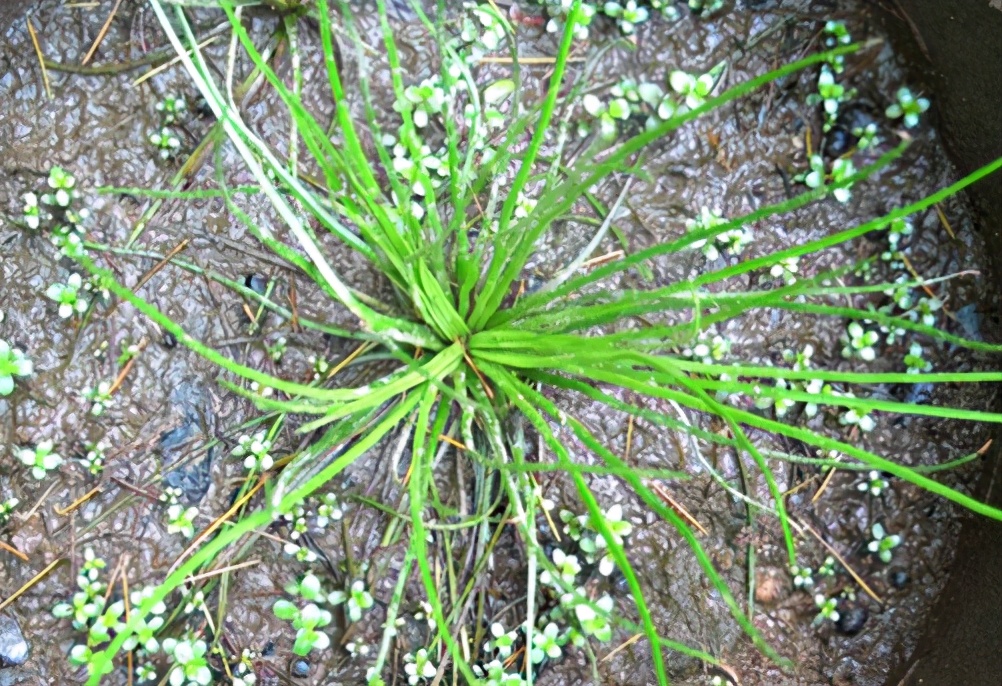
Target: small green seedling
<point x="705" y="8"/>
<point x="831" y="94"/>
<point x="925" y="310"/>
<point x="594" y="622"/>
<point x="68" y="296"/>
<point x="100" y="397"/>
<point x="329" y="510"/>
<point x="41" y="459"/>
<point x="277" y="350"/>
<point x="786" y="269"/>
<point x="882" y="543"/>
<point x="502" y="642"/>
<point x="181" y="520"/>
<point x="802" y="577"/>
<point x="166" y="143"/>
<point x="567" y="569"/>
<point x="693" y="88"/>
<point x="859" y="342"/>
<point x="170" y="108"/>
<point x="191" y="667"/>
<point x="13" y="362"/>
<point x="908" y="107"/>
<point x="546" y="644"/>
<point x="254" y="450"/>
<point x="854" y="417"/>
<point x="627" y="15"/>
<point x="826" y="609"/>
<point x="426" y="99"/>
<point x="307" y="623"/>
<point x="866" y="135"/>
<point x="93" y="459"/>
<point x="559" y="11"/>
<point x="842" y="171"/>
<point x="493" y="674"/>
<point x="357" y="600"/>
<point x="828" y="567"/>
<point x="487" y="33"/>
<point x="914" y="360"/>
<point x="32" y="213"/>
<point x="874" y="483"/>
<point x="6" y="508"/>
<point x="300" y="552"/>
<point x="419" y="667"/>
<point x="63" y="185"/>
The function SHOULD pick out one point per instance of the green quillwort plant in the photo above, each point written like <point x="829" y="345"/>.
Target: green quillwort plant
<point x="469" y="357"/>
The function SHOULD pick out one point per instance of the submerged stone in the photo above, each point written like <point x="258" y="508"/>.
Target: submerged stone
<point x="13" y="646"/>
<point x="851" y="619"/>
<point x="300" y="668"/>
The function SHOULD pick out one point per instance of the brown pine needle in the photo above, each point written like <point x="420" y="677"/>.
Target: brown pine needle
<point x="167" y="65"/>
<point x="680" y="510"/>
<point x="622" y="646"/>
<point x="125" y="370"/>
<point x="824" y="485"/>
<point x="217" y="523"/>
<point x="78" y="502"/>
<point x="31" y="513"/>
<point x="13" y="551"/>
<point x="97" y="42"/>
<point x="629" y="440"/>
<point x="365" y="347"/>
<point x="161" y="264"/>
<point x="221" y="570"/>
<point x="602" y="259"/>
<point x="451" y="441"/>
<point x="113" y="579"/>
<point x="34" y="580"/>
<point x="41" y="59"/>
<point x="859" y="580"/>
<point x="125" y="599"/>
<point x="294" y="307"/>
<point x="799" y="487"/>
<point x="944" y="221"/>
<point x="483" y="381"/>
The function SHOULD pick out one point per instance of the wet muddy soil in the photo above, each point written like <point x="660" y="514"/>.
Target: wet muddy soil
<point x="171" y="424"/>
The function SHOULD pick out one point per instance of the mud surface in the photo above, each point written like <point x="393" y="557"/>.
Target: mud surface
<point x="172" y="424"/>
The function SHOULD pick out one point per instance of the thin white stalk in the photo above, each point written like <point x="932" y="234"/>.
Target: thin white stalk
<point x="568" y="271"/>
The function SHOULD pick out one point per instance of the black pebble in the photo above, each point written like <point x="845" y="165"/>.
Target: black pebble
<point x="257" y="283"/>
<point x="838" y="142"/>
<point x="851" y="619"/>
<point x="898" y="578"/>
<point x="300" y="668"/>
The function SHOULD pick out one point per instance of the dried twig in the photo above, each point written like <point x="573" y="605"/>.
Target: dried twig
<point x="100" y="36"/>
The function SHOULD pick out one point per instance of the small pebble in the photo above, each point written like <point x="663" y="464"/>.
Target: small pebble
<point x="257" y="283"/>
<point x="851" y="619"/>
<point x="300" y="668"/>
<point x="13" y="647"/>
